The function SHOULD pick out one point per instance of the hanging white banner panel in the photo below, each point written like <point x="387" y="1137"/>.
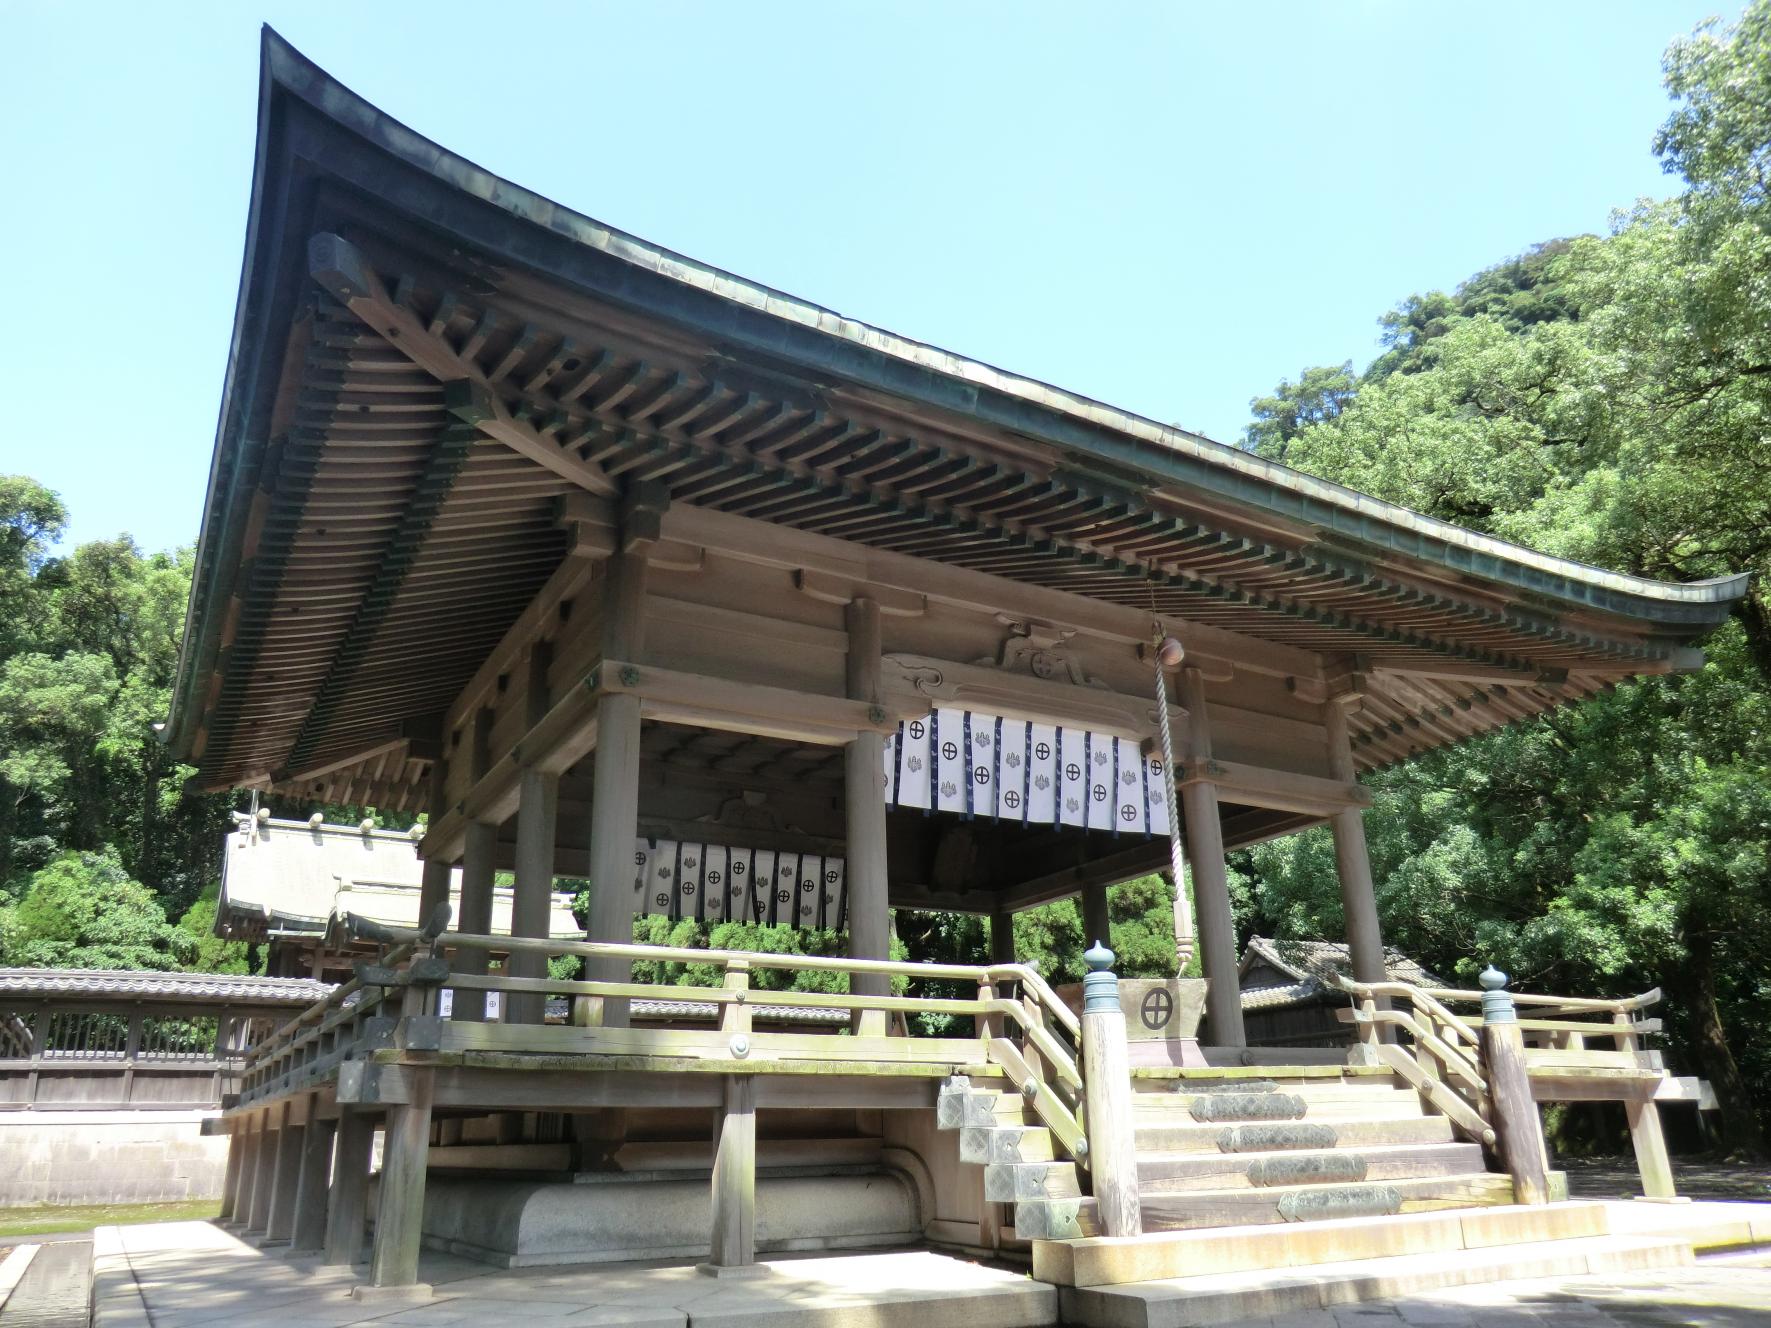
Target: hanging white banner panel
<point x="711" y="883"/>
<point x="977" y="764"/>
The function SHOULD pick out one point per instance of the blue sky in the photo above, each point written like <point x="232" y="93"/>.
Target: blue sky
<point x="1165" y="206"/>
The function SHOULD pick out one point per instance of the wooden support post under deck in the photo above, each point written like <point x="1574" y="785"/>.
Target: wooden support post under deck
<point x="399" y="1211"/>
<point x="1211" y="885"/>
<point x="310" y="1187"/>
<point x="264" y="1170"/>
<point x="870" y="920"/>
<point x="230" y="1185"/>
<point x="531" y="908"/>
<point x="286" y="1177"/>
<point x="734" y="1177"/>
<point x="347" y="1203"/>
<point x="615" y="797"/>
<point x="1352" y="859"/>
<point x="250" y="1137"/>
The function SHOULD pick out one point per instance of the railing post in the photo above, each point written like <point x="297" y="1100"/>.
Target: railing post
<point x="1646" y="1138"/>
<point x="1517" y="1124"/>
<point x="1106" y="1078"/>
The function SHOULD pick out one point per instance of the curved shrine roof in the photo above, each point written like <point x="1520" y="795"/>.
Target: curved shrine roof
<point x="427" y="359"/>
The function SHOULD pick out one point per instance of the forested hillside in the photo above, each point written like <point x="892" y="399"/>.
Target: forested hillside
<point x="1606" y="398"/>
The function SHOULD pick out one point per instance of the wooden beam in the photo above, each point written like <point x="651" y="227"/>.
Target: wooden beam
<point x="779" y="546"/>
<point x="1273" y="790"/>
<point x="344" y="273"/>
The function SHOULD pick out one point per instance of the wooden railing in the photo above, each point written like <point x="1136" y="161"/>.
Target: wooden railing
<point x="1444" y="1060"/>
<point x="1444" y="1063"/>
<point x="1032" y="1036"/>
<point x="85" y="1054"/>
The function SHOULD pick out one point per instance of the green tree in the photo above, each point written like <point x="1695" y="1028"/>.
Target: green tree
<point x="83" y="911"/>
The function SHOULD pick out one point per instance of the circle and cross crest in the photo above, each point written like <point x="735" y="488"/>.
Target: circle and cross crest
<point x="1158" y="1008"/>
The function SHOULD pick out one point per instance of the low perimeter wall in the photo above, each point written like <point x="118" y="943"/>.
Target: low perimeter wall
<point x="101" y="1157"/>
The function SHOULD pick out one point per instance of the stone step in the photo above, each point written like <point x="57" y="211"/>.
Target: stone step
<point x="1284" y="1205"/>
<point x="1227" y="1297"/>
<point x="1006" y="1143"/>
<point x="1179" y="1172"/>
<point x="1158" y="1255"/>
<point x="1230" y="1108"/>
<point x="1018" y="1182"/>
<point x="1312" y="1089"/>
<point x="1161" y="1135"/>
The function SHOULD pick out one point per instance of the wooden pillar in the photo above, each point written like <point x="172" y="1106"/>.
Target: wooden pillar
<point x="531" y="904"/>
<point x="250" y="1135"/>
<point x="230" y="1185"/>
<point x="1211" y="884"/>
<point x="615" y="789"/>
<point x="734" y="1178"/>
<point x="347" y="1203"/>
<point x="1002" y="938"/>
<point x="286" y="1177"/>
<point x="478" y="870"/>
<point x="869" y="908"/>
<point x="309" y="1232"/>
<point x="399" y="1211"/>
<point x="531" y="908"/>
<point x="433" y="886"/>
<point x="1352" y="860"/>
<point x="1517" y="1125"/>
<point x="264" y="1171"/>
<point x="1106" y="1077"/>
<point x="1097" y="923"/>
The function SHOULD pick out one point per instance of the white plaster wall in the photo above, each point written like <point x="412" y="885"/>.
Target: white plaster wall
<point x="95" y="1157"/>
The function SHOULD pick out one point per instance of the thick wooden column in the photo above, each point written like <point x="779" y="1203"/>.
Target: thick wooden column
<point x="615" y="788"/>
<point x="870" y="915"/>
<point x="1211" y="886"/>
<point x="286" y="1177"/>
<point x="531" y="905"/>
<point x="734" y="1178"/>
<point x="399" y="1210"/>
<point x="478" y="870"/>
<point x="1002" y="938"/>
<point x="310" y="1187"/>
<point x="1097" y="923"/>
<point x="347" y="1203"/>
<point x="433" y="887"/>
<point x="1365" y="942"/>
<point x="264" y="1171"/>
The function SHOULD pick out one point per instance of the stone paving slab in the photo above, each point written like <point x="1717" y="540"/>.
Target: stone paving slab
<point x="195" y="1275"/>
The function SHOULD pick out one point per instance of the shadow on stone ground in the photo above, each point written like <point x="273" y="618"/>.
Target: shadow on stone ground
<point x="1696" y="1177"/>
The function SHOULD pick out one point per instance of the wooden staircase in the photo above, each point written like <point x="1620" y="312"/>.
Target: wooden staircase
<point x="1220" y="1148"/>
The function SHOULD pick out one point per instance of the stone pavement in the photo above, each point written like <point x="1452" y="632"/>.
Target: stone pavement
<point x="1716" y="1293"/>
<point x="195" y="1275"/>
<point x="191" y="1274"/>
<point x="53" y="1291"/>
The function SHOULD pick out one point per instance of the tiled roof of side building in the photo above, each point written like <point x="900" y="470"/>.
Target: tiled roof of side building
<point x="234" y="988"/>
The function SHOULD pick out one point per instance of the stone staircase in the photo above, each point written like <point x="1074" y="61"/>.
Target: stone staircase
<point x="1231" y="1147"/>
